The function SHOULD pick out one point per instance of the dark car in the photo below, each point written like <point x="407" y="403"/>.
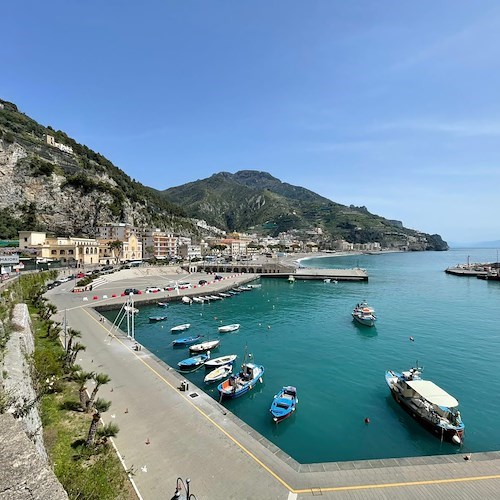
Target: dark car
<point x="128" y="291"/>
<point x="202" y="282"/>
<point x="217" y="277"/>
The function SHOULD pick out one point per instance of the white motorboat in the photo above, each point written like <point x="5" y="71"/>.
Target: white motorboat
<point x="131" y="310"/>
<point x="291" y="278"/>
<point x="229" y="328"/>
<point x="364" y="314"/>
<point x="198" y="300"/>
<point x="218" y="374"/>
<point x="180" y="328"/>
<point x="221" y="361"/>
<point x="204" y="346"/>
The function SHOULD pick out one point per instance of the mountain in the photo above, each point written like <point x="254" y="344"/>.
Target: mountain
<point x="49" y="182"/>
<point x="257" y="201"/>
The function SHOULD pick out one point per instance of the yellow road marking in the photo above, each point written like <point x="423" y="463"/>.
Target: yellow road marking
<point x="265" y="467"/>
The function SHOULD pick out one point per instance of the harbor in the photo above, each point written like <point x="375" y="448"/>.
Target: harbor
<point x="282" y="469"/>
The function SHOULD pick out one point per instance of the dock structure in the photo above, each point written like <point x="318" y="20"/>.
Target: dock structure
<point x="309" y="273"/>
<point x="284" y="270"/>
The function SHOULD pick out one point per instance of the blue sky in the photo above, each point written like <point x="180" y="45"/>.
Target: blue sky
<point x="388" y="104"/>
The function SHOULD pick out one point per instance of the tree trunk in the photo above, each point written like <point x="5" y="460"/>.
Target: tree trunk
<point x="90" y="401"/>
<point x="83" y="398"/>
<point x="93" y="429"/>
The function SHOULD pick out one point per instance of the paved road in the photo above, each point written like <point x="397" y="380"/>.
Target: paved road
<point x="166" y="433"/>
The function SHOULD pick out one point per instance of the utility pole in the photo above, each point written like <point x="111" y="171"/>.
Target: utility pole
<point x="65" y="330"/>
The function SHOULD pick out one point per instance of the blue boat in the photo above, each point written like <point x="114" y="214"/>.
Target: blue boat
<point x="186" y="341"/>
<point x="244" y="381"/>
<point x="154" y="319"/>
<point x="283" y="404"/>
<point x="192" y="362"/>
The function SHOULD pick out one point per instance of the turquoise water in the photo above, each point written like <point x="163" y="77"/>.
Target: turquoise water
<point x="304" y="336"/>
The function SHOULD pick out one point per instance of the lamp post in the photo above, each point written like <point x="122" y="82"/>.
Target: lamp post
<point x="179" y="486"/>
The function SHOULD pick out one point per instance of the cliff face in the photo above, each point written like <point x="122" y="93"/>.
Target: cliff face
<point x="59" y="209"/>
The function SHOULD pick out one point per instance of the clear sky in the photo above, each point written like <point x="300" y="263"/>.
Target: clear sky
<point x="389" y="104"/>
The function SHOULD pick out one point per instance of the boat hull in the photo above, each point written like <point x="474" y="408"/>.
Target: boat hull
<point x="451" y="434"/>
<point x="229" y="392"/>
<point x="364" y="321"/>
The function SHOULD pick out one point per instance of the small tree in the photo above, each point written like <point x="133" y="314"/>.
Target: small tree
<point x="100" y="379"/>
<point x="107" y="431"/>
<point x="81" y="378"/>
<point x="100" y="406"/>
<point x="75" y="350"/>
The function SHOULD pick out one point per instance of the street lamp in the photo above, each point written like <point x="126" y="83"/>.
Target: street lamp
<point x="180" y="484"/>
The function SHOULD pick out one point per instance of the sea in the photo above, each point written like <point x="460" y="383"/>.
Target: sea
<point x="303" y="334"/>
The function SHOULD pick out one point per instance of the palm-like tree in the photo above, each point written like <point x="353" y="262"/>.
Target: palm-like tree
<point x="74" y="352"/>
<point x="107" y="431"/>
<point x="114" y="246"/>
<point x="100" y="379"/>
<point x="53" y="328"/>
<point x="72" y="334"/>
<point x="49" y="310"/>
<point x="81" y="378"/>
<point x="100" y="406"/>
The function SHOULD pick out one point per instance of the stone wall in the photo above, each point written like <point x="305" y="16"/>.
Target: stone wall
<point x="17" y="381"/>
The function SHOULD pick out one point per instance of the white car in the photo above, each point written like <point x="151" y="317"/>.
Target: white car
<point x="153" y="289"/>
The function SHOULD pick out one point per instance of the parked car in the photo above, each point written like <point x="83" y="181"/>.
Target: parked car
<point x="80" y="275"/>
<point x="217" y="277"/>
<point x="202" y="282"/>
<point x="134" y="291"/>
<point x="153" y="289"/>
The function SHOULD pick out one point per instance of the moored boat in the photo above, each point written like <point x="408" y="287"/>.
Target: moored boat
<point x="186" y="341"/>
<point x="229" y="328"/>
<point x="284" y="403"/>
<point x="186" y="300"/>
<point x="220" y="361"/>
<point x="154" y="319"/>
<point x="364" y="314"/>
<point x="427" y="403"/>
<point x="291" y="278"/>
<point x="244" y="381"/>
<point x="192" y="362"/>
<point x="198" y="300"/>
<point x="205" y="346"/>
<point x="180" y="328"/>
<point x="218" y="374"/>
<point x="131" y="310"/>
<point x="162" y="304"/>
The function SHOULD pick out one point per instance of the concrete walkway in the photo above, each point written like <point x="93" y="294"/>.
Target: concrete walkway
<point x="166" y="433"/>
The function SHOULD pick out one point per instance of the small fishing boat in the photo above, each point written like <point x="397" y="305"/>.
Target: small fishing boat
<point x="186" y="341"/>
<point x="283" y="404"/>
<point x="229" y="328"/>
<point x="364" y="314"/>
<point x="131" y="310"/>
<point x="257" y="285"/>
<point x="327" y="280"/>
<point x="431" y="406"/>
<point x="233" y="292"/>
<point x="205" y="346"/>
<point x="214" y="297"/>
<point x="186" y="300"/>
<point x="192" y="362"/>
<point x="244" y="381"/>
<point x="224" y="295"/>
<point x="154" y="319"/>
<point x="220" y="361"/>
<point x="243" y="288"/>
<point x="291" y="278"/>
<point x="162" y="304"/>
<point x="218" y="374"/>
<point x="198" y="300"/>
<point x="180" y="328"/>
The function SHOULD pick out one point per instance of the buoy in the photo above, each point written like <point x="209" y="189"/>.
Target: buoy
<point x="412" y="339"/>
<point x="367" y="420"/>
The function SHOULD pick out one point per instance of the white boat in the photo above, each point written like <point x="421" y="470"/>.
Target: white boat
<point x="258" y="285"/>
<point x="327" y="280"/>
<point x="218" y="374"/>
<point x="204" y="346"/>
<point x="187" y="300"/>
<point x="215" y="297"/>
<point x="434" y="408"/>
<point x="229" y="328"/>
<point x="364" y="314"/>
<point x="131" y="310"/>
<point x="224" y="295"/>
<point x="291" y="279"/>
<point x="180" y="328"/>
<point x="198" y="300"/>
<point x="221" y="361"/>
